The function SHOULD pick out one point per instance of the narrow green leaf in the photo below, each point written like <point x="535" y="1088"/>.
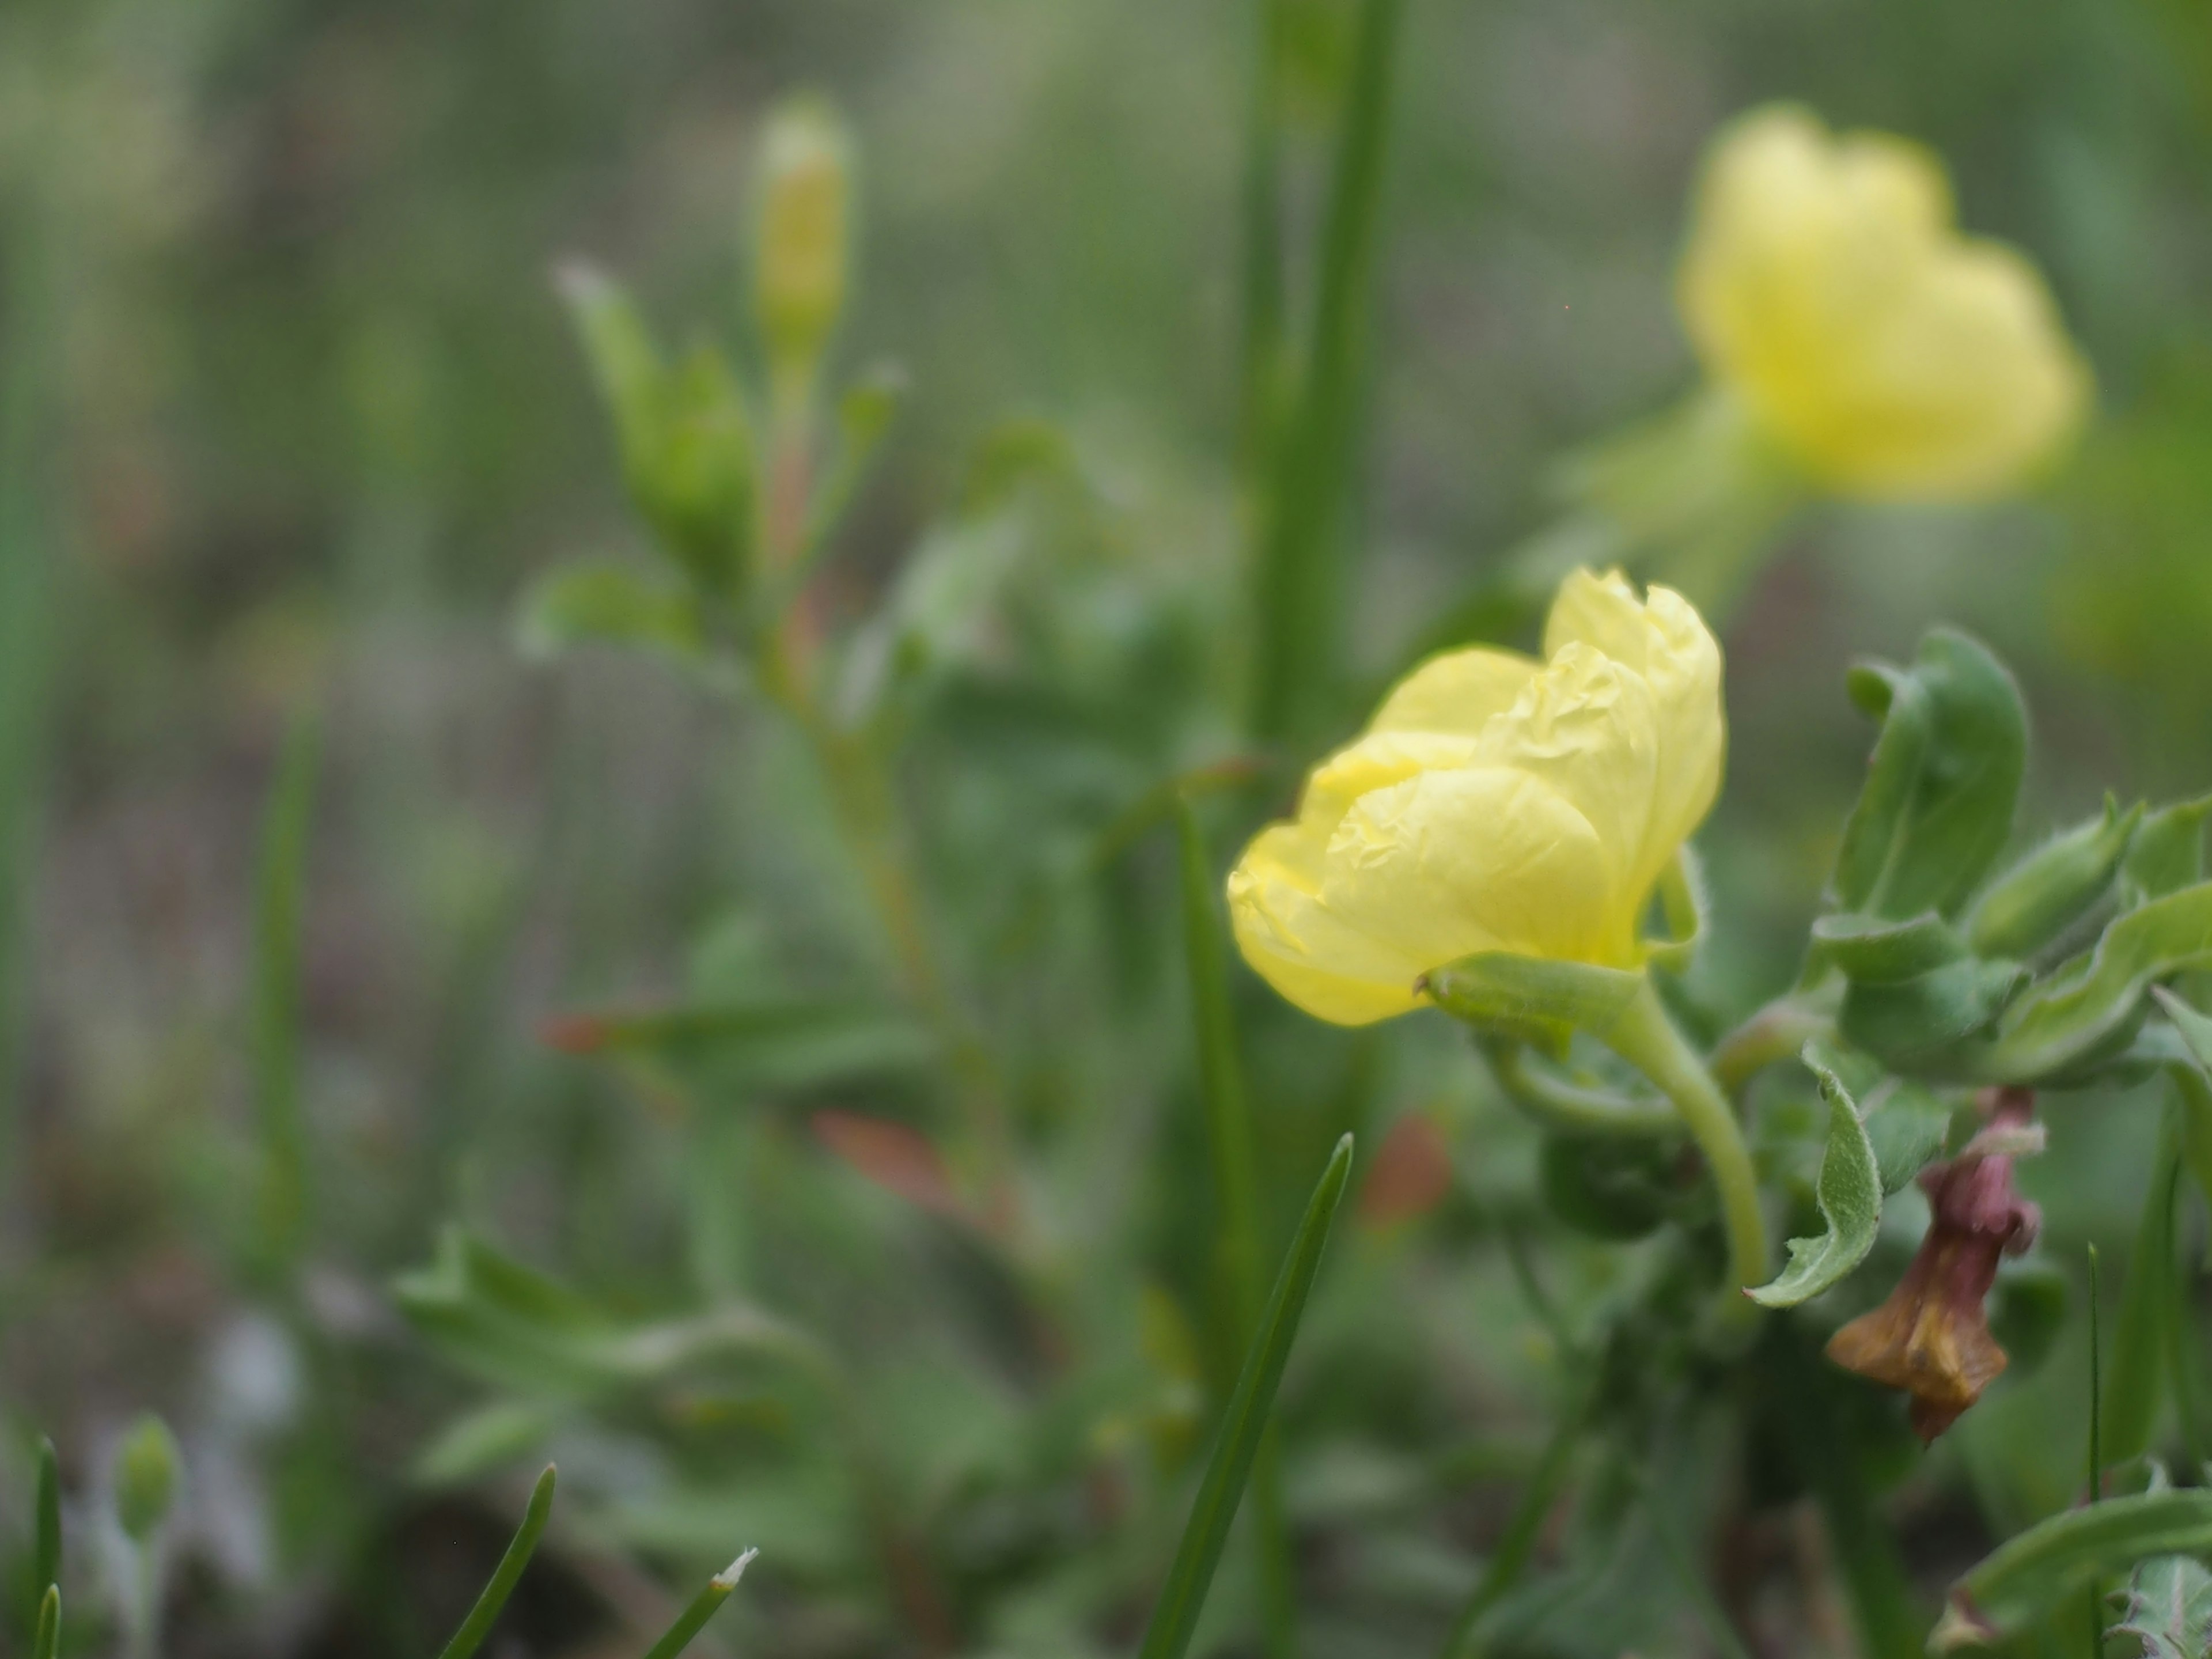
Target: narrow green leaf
<point x="1298" y="602"/>
<point x="796" y="1043"/>
<point x="280" y="901"/>
<point x="2091" y="1007"/>
<point x="2031" y="1575"/>
<point x="865" y="413"/>
<point x="2135" y="1373"/>
<point x="1945" y="775"/>
<point x="2169" y="1608"/>
<point x="1848" y="1191"/>
<point x="1260" y="381"/>
<point x="2168" y="852"/>
<point x="2034" y="901"/>
<point x="1236" y="1187"/>
<point x="1176" y="1615"/>
<point x="694" y="1617"/>
<point x="46" y="1519"/>
<point x="477" y="1626"/>
<point x="609" y="604"/>
<point x="47" y="1634"/>
<point x="490" y="1438"/>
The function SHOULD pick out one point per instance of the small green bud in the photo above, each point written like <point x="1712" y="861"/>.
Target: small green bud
<point x="146" y="1471"/>
<point x="2034" y="901"/>
<point x="802" y="251"/>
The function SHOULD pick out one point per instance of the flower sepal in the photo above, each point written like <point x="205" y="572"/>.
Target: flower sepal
<point x="1532" y="999"/>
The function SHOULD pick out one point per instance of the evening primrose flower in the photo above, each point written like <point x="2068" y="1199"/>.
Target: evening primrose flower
<point x="1826" y="286"/>
<point x="1495" y="802"/>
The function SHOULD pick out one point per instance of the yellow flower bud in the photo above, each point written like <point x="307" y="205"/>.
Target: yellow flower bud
<point x="805" y="186"/>
<point x="1495" y="803"/>
<point x="1827" y="286"/>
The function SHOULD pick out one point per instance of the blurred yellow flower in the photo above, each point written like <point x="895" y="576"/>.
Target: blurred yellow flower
<point x="1495" y="802"/>
<point x="1825" y="285"/>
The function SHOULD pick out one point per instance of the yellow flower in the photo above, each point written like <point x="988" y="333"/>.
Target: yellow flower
<point x="1825" y="285"/>
<point x="1495" y="803"/>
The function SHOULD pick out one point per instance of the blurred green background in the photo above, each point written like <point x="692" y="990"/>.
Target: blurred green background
<point x="289" y="417"/>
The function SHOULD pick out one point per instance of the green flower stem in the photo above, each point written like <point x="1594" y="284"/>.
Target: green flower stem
<point x="1646" y="1038"/>
<point x="1561" y="1104"/>
<point x="1777" y="1032"/>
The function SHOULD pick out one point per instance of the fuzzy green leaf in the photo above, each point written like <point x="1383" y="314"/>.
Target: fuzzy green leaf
<point x="2168" y="852"/>
<point x="2054" y="1561"/>
<point x="1945" y="774"/>
<point x="2169" y="1608"/>
<point x="1848" y="1191"/>
<point x="2033" y="903"/>
<point x="2090" y="1007"/>
<point x="1529" y="997"/>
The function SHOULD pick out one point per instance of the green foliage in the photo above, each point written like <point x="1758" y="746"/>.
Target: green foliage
<point x="610" y="605"/>
<point x="2051" y="1563"/>
<point x="481" y="1617"/>
<point x="2168" y="1609"/>
<point x="1941" y="785"/>
<point x="148" y="1469"/>
<point x="1850" y="1194"/>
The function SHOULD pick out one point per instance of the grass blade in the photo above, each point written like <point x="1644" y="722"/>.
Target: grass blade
<point x="477" y="1626"/>
<point x="693" y="1619"/>
<point x="1297" y="603"/>
<point x="1175" y="1616"/>
<point x="2135" y="1374"/>
<point x="1262" y="252"/>
<point x="46" y="1521"/>
<point x="46" y="1641"/>
<point x="280" y="886"/>
<point x="1236" y="1187"/>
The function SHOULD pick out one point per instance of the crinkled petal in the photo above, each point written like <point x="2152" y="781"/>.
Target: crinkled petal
<point x="1303" y="949"/>
<point x="1473" y="859"/>
<point x="1456" y="692"/>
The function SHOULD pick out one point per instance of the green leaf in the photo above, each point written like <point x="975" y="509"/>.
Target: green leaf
<point x="703" y="1606"/>
<point x="2168" y="852"/>
<point x="2056" y="1561"/>
<point x="1906" y="1124"/>
<point x="1848" y="1191"/>
<point x="684" y="436"/>
<point x="2038" y="899"/>
<point x="1684" y="904"/>
<point x="1610" y="1187"/>
<point x="477" y="1626"/>
<point x="1915" y="989"/>
<point x="1181" y="1598"/>
<point x="2169" y="1608"/>
<point x="2135" y="1371"/>
<point x="610" y="604"/>
<point x="533" y="1335"/>
<point x="1299" y="576"/>
<point x="2089" y="1008"/>
<point x="46" y="1519"/>
<point x="726" y="1048"/>
<point x="1942" y="785"/>
<point x="46" y="1633"/>
<point x="1531" y="998"/>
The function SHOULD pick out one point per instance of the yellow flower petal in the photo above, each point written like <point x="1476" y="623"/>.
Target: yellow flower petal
<point x="1495" y="804"/>
<point x="1825" y="284"/>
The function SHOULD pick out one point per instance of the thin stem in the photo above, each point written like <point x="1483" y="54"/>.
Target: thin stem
<point x="2096" y="1454"/>
<point x="1558" y="1104"/>
<point x="1777" y="1032"/>
<point x="1646" y="1038"/>
<point x="694" y="1617"/>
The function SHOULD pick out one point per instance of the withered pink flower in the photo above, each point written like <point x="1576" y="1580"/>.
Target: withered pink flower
<point x="1931" y="1338"/>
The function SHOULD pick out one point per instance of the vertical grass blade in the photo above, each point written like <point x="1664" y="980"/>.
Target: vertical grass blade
<point x="1235" y="1191"/>
<point x="693" y="1619"/>
<point x="477" y="1626"/>
<point x="46" y="1521"/>
<point x="2134" y="1380"/>
<point x="1299" y="584"/>
<point x="1243" y="1424"/>
<point x="1260" y="379"/>
<point x="280" y="886"/>
<point x="47" y="1637"/>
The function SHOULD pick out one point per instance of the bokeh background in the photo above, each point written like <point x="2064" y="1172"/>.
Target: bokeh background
<point x="291" y="417"/>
